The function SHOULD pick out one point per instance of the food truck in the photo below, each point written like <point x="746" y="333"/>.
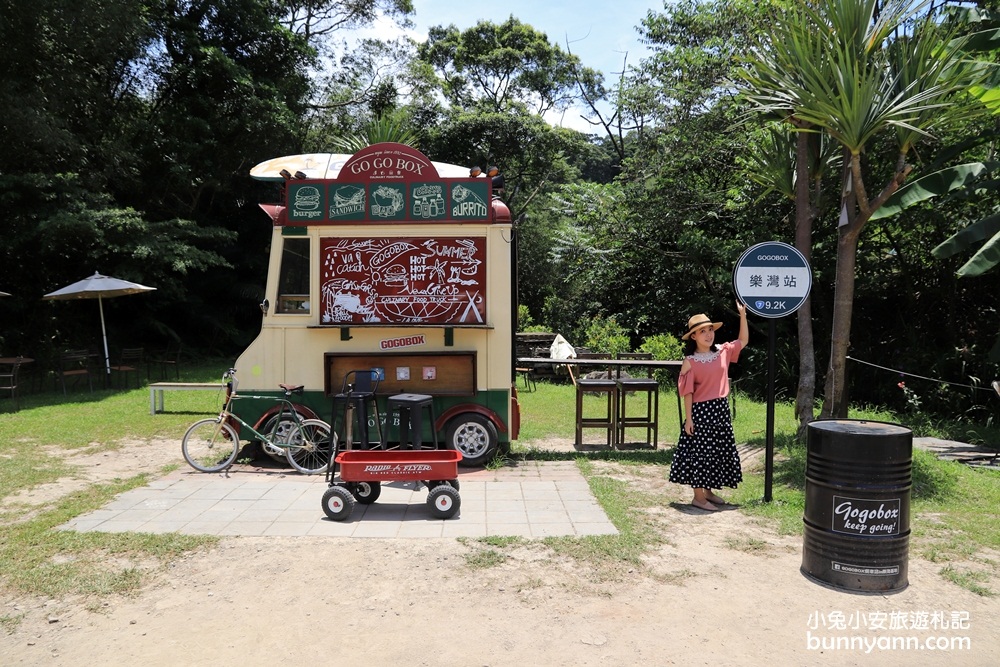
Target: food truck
<point x="389" y="262"/>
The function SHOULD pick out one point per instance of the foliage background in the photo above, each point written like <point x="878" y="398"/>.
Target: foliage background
<point x="127" y="131"/>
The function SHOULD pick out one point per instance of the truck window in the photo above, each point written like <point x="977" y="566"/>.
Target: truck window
<point x="293" y="278"/>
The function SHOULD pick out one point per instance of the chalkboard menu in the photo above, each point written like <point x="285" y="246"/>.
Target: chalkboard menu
<point x="403" y="281"/>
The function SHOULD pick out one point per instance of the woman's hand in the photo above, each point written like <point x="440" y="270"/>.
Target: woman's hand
<point x="744" y="329"/>
<point x="689" y="426"/>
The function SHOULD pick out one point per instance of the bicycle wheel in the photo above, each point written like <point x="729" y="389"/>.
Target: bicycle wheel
<point x="309" y="450"/>
<point x="210" y="445"/>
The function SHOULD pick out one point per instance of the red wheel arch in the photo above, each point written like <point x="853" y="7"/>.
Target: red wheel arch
<point x="443" y="419"/>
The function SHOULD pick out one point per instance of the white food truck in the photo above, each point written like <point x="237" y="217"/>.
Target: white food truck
<point x="388" y="262"/>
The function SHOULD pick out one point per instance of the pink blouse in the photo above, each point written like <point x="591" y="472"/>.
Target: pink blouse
<point x="708" y="377"/>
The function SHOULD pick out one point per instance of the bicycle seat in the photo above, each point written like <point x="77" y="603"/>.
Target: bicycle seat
<point x="292" y="388"/>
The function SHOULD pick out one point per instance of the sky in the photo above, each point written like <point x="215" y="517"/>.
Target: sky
<point x="599" y="32"/>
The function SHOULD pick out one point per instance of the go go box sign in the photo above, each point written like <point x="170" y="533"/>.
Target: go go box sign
<point x="773" y="279"/>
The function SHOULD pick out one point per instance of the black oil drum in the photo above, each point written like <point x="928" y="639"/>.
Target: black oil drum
<point x="857" y="514"/>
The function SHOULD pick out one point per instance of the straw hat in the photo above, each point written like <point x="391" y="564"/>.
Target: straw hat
<point x="697" y="322"/>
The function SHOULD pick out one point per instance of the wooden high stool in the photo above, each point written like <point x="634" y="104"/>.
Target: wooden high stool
<point x="608" y="388"/>
<point x="411" y="424"/>
<point x="648" y="386"/>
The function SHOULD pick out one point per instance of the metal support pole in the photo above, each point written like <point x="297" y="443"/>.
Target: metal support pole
<point x="769" y="450"/>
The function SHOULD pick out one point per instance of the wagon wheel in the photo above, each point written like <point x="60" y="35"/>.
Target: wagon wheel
<point x="444" y="501"/>
<point x="453" y="483"/>
<point x="338" y="503"/>
<point x="367" y="492"/>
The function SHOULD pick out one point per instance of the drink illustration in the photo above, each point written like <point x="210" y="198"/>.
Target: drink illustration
<point x="428" y="201"/>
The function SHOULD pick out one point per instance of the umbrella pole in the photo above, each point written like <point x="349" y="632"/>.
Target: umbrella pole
<point x="104" y="335"/>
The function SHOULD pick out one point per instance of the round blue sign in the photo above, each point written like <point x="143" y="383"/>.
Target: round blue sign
<point x="773" y="279"/>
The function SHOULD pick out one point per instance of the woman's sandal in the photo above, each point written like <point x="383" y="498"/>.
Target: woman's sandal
<point x="708" y="507"/>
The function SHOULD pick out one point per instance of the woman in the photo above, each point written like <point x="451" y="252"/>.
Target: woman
<point x="706" y="456"/>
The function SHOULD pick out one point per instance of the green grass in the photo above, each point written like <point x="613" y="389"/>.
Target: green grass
<point x="38" y="559"/>
<point x="954" y="508"/>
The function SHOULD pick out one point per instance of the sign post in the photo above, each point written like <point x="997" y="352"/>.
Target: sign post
<point x="773" y="280"/>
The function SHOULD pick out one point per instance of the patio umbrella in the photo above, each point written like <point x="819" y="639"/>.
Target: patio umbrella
<point x="99" y="287"/>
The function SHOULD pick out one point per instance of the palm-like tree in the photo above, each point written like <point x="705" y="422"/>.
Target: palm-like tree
<point x="856" y="69"/>
<point x="382" y="129"/>
<point x="795" y="164"/>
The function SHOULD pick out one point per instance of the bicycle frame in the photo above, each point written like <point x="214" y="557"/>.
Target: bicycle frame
<point x="212" y="444"/>
<point x="287" y="407"/>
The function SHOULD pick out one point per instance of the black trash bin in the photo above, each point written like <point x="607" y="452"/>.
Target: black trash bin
<point x="857" y="514"/>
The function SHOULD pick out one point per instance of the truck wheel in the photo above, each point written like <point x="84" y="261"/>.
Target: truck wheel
<point x="285" y="428"/>
<point x="475" y="436"/>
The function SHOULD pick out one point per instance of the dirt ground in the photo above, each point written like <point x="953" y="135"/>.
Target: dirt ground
<point x="723" y="589"/>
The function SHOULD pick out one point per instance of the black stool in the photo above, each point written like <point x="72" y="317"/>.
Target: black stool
<point x="648" y="420"/>
<point x="528" y="376"/>
<point x="356" y="395"/>
<point x="609" y="388"/>
<point x="411" y="424"/>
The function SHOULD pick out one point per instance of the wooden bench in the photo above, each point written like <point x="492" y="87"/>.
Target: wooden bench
<point x="157" y="389"/>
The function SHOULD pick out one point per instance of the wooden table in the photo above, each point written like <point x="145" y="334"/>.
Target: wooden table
<point x="642" y="363"/>
<point x="10" y="361"/>
<point x="611" y="363"/>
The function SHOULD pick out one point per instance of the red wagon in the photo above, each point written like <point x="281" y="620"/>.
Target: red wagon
<point x="362" y="472"/>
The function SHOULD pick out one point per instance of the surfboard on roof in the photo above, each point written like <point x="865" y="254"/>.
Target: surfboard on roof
<point x="328" y="165"/>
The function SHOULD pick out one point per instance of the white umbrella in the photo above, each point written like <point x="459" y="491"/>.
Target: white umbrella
<point x="99" y="287"/>
<point x="4" y="294"/>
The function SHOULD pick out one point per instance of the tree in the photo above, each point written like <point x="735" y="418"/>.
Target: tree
<point x="856" y="69"/>
<point x="497" y="64"/>
<point x="795" y="164"/>
<point x="127" y="132"/>
<point x="316" y="20"/>
<point x="682" y="214"/>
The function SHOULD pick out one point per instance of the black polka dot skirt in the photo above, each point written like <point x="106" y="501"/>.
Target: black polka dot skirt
<point x="708" y="459"/>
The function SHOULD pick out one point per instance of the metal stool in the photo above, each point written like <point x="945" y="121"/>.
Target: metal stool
<point x="648" y="420"/>
<point x="356" y="395"/>
<point x="411" y="424"/>
<point x="609" y="388"/>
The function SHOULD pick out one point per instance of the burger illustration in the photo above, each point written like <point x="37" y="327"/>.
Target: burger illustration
<point x="307" y="198"/>
<point x="395" y="276"/>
